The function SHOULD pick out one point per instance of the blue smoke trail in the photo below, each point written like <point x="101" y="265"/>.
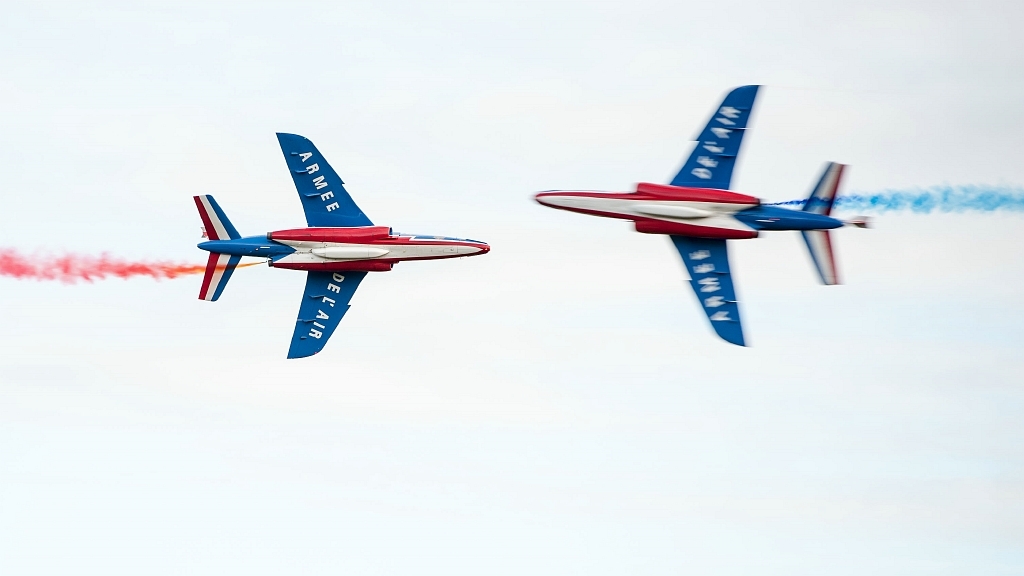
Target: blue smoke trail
<point x="934" y="199"/>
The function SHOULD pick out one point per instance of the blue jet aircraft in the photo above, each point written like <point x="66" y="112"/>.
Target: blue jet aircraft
<point x="699" y="214"/>
<point x="337" y="249"/>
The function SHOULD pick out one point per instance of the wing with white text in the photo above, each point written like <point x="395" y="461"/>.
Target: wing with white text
<point x="707" y="261"/>
<point x="324" y="303"/>
<point x="711" y="162"/>
<point x="324" y="198"/>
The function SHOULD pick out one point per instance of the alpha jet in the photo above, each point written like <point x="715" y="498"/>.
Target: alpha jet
<point x="337" y="249"/>
<point x="699" y="213"/>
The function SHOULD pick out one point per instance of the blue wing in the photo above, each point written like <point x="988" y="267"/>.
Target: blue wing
<point x="711" y="162"/>
<point x="324" y="304"/>
<point x="324" y="198"/>
<point x="707" y="261"/>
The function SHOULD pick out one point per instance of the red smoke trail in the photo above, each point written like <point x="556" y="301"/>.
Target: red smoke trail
<point x="71" y="268"/>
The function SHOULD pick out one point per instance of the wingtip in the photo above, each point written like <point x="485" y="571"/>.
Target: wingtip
<point x="730" y="337"/>
<point x="292" y="355"/>
<point x="745" y="88"/>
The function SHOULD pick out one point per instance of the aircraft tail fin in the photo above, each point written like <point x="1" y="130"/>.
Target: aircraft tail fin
<point x="823" y="196"/>
<point x="218" y="271"/>
<point x="220" y="266"/>
<point x="819" y="243"/>
<point x="215" y="222"/>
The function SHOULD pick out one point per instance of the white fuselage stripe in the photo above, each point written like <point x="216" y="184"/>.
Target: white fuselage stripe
<point x="398" y="251"/>
<point x="720" y="214"/>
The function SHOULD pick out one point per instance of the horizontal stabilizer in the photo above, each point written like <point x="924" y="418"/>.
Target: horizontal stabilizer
<point x="823" y="196"/>
<point x="218" y="271"/>
<point x="819" y="243"/>
<point x="215" y="222"/>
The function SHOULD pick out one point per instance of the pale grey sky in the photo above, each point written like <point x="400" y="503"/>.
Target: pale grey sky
<point x="558" y="406"/>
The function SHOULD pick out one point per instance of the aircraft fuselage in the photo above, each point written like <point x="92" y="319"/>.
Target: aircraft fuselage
<point x="695" y="212"/>
<point x="366" y="248"/>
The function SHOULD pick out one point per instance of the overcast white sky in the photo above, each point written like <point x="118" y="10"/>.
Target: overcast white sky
<point x="559" y="406"/>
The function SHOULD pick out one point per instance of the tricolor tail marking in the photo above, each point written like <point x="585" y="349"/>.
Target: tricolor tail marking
<point x="215" y="222"/>
<point x="219" y="268"/>
<point x="824" y="194"/>
<point x="819" y="243"/>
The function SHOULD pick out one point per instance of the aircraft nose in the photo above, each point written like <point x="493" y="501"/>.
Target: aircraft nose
<point x="469" y="248"/>
<point x="543" y="198"/>
<point x="475" y="249"/>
